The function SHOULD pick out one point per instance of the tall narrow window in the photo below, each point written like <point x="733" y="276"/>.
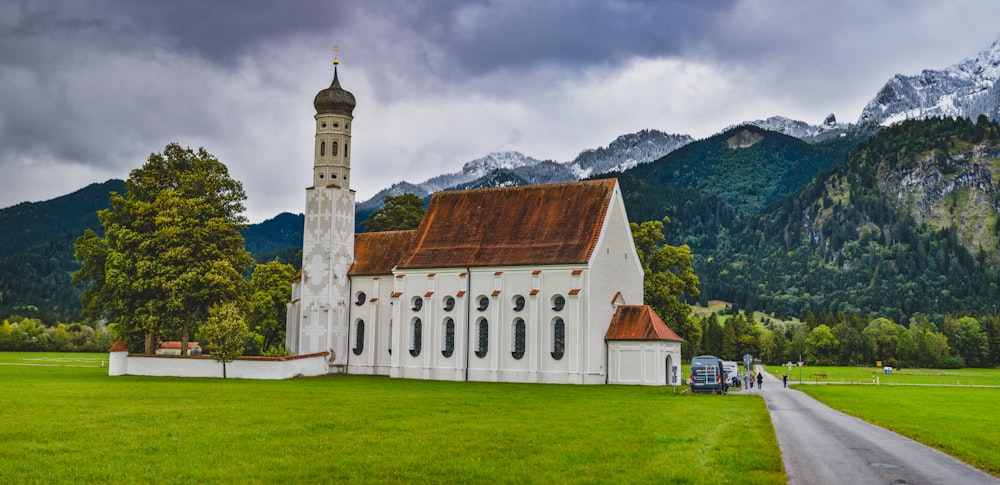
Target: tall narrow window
<point x="449" y="338"/>
<point x="390" y="337"/>
<point x="359" y="337"/>
<point x="345" y="150"/>
<point x="333" y="149"/>
<point x="483" y="337"/>
<point x="519" y="337"/>
<point x="416" y="336"/>
<point x="322" y="148"/>
<point x="558" y="338"/>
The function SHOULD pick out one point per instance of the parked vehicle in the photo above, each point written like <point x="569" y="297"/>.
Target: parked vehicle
<point x="707" y="374"/>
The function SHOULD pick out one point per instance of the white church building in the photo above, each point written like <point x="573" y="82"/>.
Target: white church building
<point x="525" y="284"/>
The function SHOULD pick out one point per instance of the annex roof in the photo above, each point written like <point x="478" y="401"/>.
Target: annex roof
<point x="531" y="225"/>
<point x="177" y="345"/>
<point x="639" y="322"/>
<point x="119" y="346"/>
<point x="376" y="253"/>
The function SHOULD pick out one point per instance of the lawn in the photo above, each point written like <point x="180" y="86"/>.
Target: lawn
<point x="960" y="421"/>
<point x="864" y="375"/>
<point x="76" y="424"/>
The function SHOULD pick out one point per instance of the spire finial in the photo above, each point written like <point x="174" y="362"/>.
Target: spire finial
<point x="336" y="50"/>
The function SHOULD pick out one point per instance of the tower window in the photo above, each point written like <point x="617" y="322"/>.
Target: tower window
<point x="335" y="125"/>
<point x="345" y="150"/>
<point x="333" y="149"/>
<point x="322" y="148"/>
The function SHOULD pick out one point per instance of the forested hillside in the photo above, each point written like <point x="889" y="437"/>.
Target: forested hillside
<point x="907" y="225"/>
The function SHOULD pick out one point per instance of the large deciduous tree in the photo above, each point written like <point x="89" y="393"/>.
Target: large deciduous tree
<point x="271" y="289"/>
<point x="171" y="248"/>
<point x="398" y="212"/>
<point x="669" y="274"/>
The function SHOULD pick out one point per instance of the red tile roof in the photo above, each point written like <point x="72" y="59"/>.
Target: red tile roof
<point x="639" y="322"/>
<point x="177" y="345"/>
<point x="119" y="346"/>
<point x="378" y="252"/>
<point x="539" y="224"/>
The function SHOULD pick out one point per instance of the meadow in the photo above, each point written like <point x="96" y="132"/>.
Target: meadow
<point x="867" y="375"/>
<point x="960" y="421"/>
<point x="73" y="424"/>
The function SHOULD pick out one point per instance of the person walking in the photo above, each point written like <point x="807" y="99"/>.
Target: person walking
<point x="784" y="379"/>
<point x="760" y="380"/>
<point x="752" y="378"/>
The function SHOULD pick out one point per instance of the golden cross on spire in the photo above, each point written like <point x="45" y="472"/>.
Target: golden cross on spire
<point x="336" y="50"/>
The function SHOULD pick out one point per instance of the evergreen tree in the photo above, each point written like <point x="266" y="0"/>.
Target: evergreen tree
<point x="398" y="212"/>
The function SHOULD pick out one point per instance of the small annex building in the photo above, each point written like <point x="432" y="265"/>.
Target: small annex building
<point x="522" y="284"/>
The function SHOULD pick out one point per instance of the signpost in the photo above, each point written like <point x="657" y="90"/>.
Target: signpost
<point x="800" y="369"/>
<point x="747" y="361"/>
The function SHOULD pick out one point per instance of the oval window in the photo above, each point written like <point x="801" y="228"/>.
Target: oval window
<point x="517" y="303"/>
<point x="359" y="299"/>
<point x="484" y="303"/>
<point x="558" y="303"/>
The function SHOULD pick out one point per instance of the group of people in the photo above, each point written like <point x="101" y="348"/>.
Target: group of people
<point x="751" y="376"/>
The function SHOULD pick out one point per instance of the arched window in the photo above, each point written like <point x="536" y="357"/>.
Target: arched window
<point x="416" y="336"/>
<point x="484" y="303"/>
<point x="482" y="337"/>
<point x="519" y="338"/>
<point x="558" y="302"/>
<point x="322" y="148"/>
<point x="333" y="149"/>
<point x="359" y="337"/>
<point x="449" y="337"/>
<point x="558" y="338"/>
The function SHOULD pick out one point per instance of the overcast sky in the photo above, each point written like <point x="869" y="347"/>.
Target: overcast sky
<point x="89" y="88"/>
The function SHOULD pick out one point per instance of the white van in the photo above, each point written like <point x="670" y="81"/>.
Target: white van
<point x="731" y="368"/>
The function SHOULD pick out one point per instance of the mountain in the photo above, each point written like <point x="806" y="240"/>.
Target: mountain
<point x="627" y="151"/>
<point x="967" y="89"/>
<point x="746" y="167"/>
<point x="624" y="152"/>
<point x="36" y="255"/>
<point x="906" y="225"/>
<point x="802" y="130"/>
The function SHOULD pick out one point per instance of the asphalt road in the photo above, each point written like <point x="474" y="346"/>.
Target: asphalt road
<point x="822" y="446"/>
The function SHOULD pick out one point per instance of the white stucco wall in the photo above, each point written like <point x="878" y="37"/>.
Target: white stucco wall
<point x="176" y="366"/>
<point x="642" y="362"/>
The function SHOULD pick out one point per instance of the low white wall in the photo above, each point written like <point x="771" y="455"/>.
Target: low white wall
<point x="245" y="368"/>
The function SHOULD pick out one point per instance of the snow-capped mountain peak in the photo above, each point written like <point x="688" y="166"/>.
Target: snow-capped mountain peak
<point x="966" y="89"/>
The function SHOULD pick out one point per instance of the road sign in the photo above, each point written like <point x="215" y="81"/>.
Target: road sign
<point x="747" y="361"/>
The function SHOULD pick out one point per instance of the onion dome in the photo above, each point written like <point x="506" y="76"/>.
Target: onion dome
<point x="334" y="99"/>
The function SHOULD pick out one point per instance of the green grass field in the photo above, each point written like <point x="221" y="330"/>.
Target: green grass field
<point x="960" y="421"/>
<point x="66" y="421"/>
<point x="863" y="375"/>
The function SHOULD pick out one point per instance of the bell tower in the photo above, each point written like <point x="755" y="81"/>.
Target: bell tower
<point x="318" y="316"/>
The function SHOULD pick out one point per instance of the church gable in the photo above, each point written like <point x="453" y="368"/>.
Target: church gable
<point x="533" y="225"/>
<point x="639" y="322"/>
<point x="377" y="253"/>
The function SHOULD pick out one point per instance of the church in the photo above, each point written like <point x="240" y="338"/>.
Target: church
<point x="525" y="284"/>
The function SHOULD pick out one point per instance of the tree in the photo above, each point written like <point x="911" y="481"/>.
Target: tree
<point x="967" y="340"/>
<point x="669" y="273"/>
<point x="821" y="346"/>
<point x="224" y="331"/>
<point x="398" y="212"/>
<point x="171" y="248"/>
<point x="271" y="289"/>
